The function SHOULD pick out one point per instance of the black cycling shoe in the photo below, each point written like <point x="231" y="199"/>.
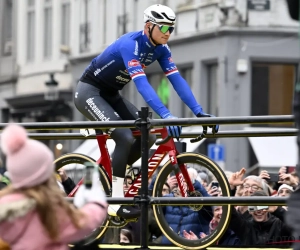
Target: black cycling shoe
<point x="128" y="212"/>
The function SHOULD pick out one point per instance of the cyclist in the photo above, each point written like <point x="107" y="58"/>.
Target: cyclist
<point x="97" y="94"/>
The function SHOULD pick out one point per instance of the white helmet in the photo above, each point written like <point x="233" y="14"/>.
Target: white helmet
<point x="159" y="14"/>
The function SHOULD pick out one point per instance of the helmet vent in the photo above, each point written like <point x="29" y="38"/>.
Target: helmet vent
<point x="156" y="15"/>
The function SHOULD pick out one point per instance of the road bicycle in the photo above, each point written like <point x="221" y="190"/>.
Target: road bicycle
<point x="177" y="164"/>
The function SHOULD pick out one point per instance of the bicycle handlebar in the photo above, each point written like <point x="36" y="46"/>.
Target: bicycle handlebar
<point x="162" y="141"/>
<point x="198" y="138"/>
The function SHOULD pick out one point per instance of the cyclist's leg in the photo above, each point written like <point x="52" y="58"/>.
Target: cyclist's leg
<point x="95" y="105"/>
<point x="128" y="111"/>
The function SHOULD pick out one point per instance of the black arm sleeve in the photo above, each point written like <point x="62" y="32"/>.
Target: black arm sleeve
<point x="279" y="213"/>
<point x="238" y="224"/>
<point x="68" y="185"/>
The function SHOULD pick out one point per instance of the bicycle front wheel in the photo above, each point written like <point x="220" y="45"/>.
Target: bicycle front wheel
<point x="73" y="164"/>
<point x="200" y="163"/>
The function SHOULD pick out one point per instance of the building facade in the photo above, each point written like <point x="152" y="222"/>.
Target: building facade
<point x="238" y="56"/>
<point x="8" y="64"/>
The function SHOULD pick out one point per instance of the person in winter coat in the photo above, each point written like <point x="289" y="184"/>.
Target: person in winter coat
<point x="229" y="238"/>
<point x="182" y="218"/>
<point x="33" y="213"/>
<point x="267" y="226"/>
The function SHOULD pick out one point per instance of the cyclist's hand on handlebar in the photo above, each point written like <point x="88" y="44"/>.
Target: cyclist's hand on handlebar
<point x="174" y="131"/>
<point x="215" y="128"/>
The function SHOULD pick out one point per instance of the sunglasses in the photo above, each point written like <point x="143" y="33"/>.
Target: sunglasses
<point x="164" y="28"/>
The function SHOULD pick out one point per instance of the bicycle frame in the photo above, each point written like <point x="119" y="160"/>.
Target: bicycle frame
<point x="153" y="163"/>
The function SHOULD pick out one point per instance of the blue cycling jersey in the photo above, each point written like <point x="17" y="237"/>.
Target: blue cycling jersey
<point x="125" y="59"/>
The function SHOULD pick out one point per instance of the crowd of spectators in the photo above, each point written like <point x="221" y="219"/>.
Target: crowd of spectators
<point x="248" y="226"/>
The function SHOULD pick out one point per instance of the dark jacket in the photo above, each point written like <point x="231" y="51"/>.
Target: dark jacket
<point x="229" y="238"/>
<point x="68" y="185"/>
<point x="266" y="233"/>
<point x="182" y="218"/>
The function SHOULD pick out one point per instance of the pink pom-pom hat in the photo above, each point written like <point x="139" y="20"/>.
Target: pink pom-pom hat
<point x="29" y="162"/>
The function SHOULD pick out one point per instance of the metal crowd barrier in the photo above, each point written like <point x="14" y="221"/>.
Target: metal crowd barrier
<point x="144" y="123"/>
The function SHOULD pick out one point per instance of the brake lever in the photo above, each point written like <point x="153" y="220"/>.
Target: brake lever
<point x="165" y="140"/>
<point x="200" y="137"/>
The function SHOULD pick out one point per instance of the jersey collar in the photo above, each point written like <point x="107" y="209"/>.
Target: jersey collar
<point x="147" y="42"/>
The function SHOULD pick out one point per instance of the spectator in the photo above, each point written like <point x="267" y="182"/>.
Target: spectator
<point x="236" y="180"/>
<point x="182" y="218"/>
<point x="205" y="179"/>
<point x="127" y="183"/>
<point x="251" y="184"/>
<point x="125" y="236"/>
<point x="166" y="189"/>
<point x="285" y="190"/>
<point x="192" y="174"/>
<point x="229" y="238"/>
<point x="33" y="212"/>
<point x="66" y="181"/>
<point x="214" y="190"/>
<point x="289" y="179"/>
<point x="265" y="227"/>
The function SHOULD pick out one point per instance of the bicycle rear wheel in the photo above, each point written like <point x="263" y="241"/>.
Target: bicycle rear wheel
<point x="197" y="161"/>
<point x="76" y="162"/>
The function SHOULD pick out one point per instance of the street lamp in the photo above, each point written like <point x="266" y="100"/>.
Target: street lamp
<point x="52" y="92"/>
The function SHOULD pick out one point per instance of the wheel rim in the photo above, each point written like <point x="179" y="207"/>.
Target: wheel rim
<point x="158" y="210"/>
<point x="80" y="159"/>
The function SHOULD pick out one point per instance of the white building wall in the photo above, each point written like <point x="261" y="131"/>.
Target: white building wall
<point x="33" y="74"/>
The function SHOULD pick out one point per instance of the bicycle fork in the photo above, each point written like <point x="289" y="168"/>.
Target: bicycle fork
<point x="181" y="174"/>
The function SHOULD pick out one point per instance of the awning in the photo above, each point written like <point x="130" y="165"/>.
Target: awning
<point x="274" y="152"/>
<point x="90" y="146"/>
<point x="36" y="103"/>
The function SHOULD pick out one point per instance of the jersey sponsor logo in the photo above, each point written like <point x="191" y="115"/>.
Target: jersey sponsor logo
<point x="133" y="63"/>
<point x="136" y="50"/>
<point x="149" y="57"/>
<point x="97" y="71"/>
<point x="122" y="79"/>
<point x="148" y="60"/>
<point x="170" y="60"/>
<point x="96" y="110"/>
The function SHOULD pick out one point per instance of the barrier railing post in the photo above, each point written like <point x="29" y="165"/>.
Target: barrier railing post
<point x="144" y="125"/>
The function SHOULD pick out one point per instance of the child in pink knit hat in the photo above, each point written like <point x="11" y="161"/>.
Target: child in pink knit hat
<point x="33" y="212"/>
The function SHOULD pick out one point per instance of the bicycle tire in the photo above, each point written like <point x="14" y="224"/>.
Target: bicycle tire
<point x="158" y="209"/>
<point x="81" y="159"/>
